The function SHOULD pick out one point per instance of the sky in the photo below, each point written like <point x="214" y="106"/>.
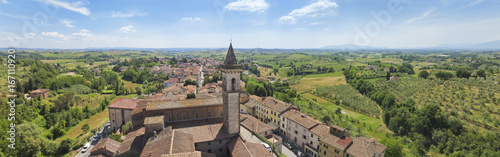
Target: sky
<point x="248" y="23"/>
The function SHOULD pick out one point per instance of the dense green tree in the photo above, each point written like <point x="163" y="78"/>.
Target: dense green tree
<point x="423" y="74"/>
<point x="481" y="73"/>
<point x="85" y="128"/>
<point x="394" y="148"/>
<point x="463" y="73"/>
<point x="191" y="96"/>
<point x="444" y="75"/>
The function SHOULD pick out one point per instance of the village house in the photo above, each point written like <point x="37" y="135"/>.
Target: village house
<point x="40" y="92"/>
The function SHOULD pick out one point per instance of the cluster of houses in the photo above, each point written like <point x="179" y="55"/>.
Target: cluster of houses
<point x="316" y="138"/>
<point x="209" y="125"/>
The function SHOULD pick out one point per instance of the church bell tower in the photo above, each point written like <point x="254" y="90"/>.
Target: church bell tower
<point x="231" y="71"/>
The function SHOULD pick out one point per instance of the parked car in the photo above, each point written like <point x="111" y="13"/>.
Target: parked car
<point x="96" y="138"/>
<point x="85" y="147"/>
<point x="267" y="146"/>
<point x="287" y="145"/>
<point x="299" y="154"/>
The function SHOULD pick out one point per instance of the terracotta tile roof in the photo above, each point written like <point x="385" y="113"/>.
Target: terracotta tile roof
<point x="182" y="142"/>
<point x="154" y="119"/>
<point x="140" y="106"/>
<point x="157" y="146"/>
<point x="254" y="124"/>
<point x="171" y="80"/>
<point x="274" y="104"/>
<point x="123" y="103"/>
<point x="340" y="143"/>
<point x="106" y="144"/>
<point x="237" y="147"/>
<point x="160" y="105"/>
<point x="250" y="103"/>
<point x="321" y="130"/>
<point x="175" y="89"/>
<point x="364" y="147"/>
<point x="300" y="118"/>
<point x="40" y="91"/>
<point x="203" y="130"/>
<point x="133" y="141"/>
<point x="190" y="154"/>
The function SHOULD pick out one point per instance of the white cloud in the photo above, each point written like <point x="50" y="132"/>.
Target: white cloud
<point x="474" y="3"/>
<point x="248" y="5"/>
<point x="320" y="8"/>
<point x="29" y="35"/>
<point x="76" y="7"/>
<point x="288" y="20"/>
<point x="316" y="23"/>
<point x="317" y="9"/>
<point x="125" y="15"/>
<point x="5" y="2"/>
<point x="83" y="33"/>
<point x="53" y="35"/>
<point x="66" y="23"/>
<point x="192" y="19"/>
<point x="423" y="16"/>
<point x="127" y="29"/>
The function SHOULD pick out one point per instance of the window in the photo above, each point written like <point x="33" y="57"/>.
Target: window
<point x="304" y="136"/>
<point x="312" y="135"/>
<point x="233" y="86"/>
<point x="209" y="143"/>
<point x="336" y="151"/>
<point x="278" y="123"/>
<point x="220" y="149"/>
<point x="208" y="114"/>
<point x="283" y="118"/>
<point x="311" y="143"/>
<point x="326" y="146"/>
<point x="220" y="141"/>
<point x="196" y="115"/>
<point x="196" y="145"/>
<point x="295" y="131"/>
<point x="323" y="152"/>
<point x="209" y="150"/>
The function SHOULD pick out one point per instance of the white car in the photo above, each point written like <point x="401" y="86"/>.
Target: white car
<point x="85" y="147"/>
<point x="267" y="146"/>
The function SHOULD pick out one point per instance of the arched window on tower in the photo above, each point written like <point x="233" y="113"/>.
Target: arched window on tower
<point x="233" y="86"/>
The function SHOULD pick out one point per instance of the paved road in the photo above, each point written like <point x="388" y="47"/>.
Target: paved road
<point x="254" y="139"/>
<point x="104" y="134"/>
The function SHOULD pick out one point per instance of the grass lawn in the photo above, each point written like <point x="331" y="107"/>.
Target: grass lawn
<point x="373" y="126"/>
<point x="308" y="83"/>
<point x="130" y="85"/>
<point x="94" y="121"/>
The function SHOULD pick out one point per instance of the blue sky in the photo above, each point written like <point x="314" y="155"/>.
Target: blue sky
<point x="250" y="23"/>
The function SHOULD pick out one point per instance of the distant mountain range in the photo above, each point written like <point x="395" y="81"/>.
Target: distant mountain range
<point x="492" y="45"/>
<point x="352" y="47"/>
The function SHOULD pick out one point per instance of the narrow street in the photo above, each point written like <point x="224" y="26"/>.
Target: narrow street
<point x="104" y="134"/>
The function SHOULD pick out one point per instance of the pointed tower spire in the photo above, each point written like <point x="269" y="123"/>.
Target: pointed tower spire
<point x="230" y="57"/>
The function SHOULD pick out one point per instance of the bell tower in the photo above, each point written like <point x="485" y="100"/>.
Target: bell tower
<point x="231" y="71"/>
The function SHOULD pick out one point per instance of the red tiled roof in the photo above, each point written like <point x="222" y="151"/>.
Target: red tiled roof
<point x="40" y="91"/>
<point x="123" y="103"/>
<point x="364" y="147"/>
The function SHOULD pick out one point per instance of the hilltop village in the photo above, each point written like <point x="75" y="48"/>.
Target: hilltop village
<point x="221" y="119"/>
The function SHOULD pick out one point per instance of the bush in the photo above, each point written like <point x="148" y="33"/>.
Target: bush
<point x="65" y="146"/>
<point x="126" y="128"/>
